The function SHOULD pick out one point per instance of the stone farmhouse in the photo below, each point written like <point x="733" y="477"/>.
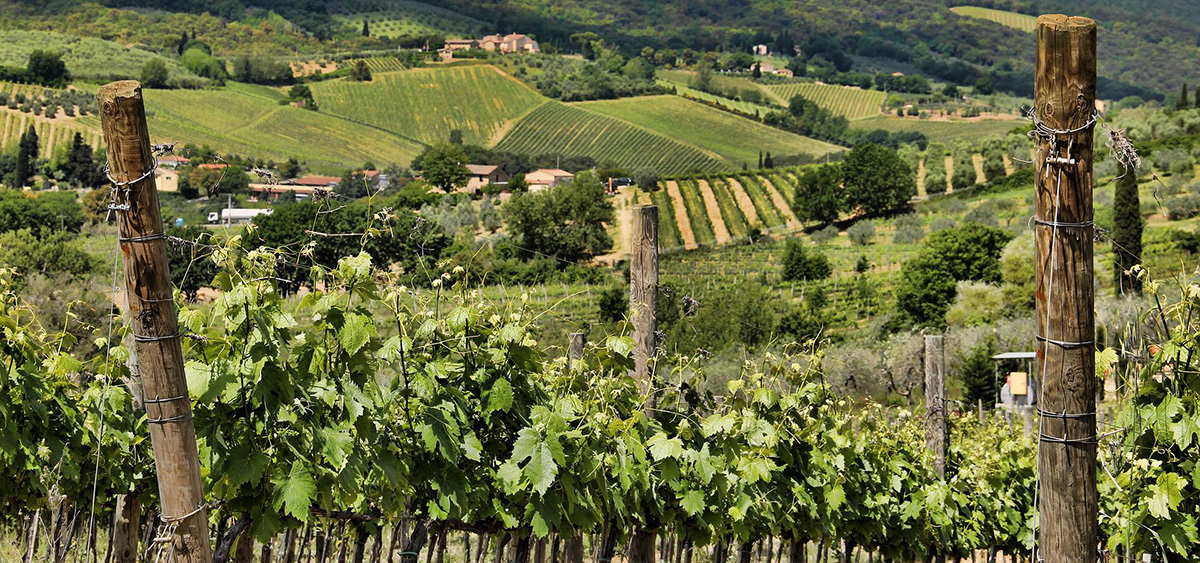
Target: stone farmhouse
<point x="484" y="174"/>
<point x="511" y="43"/>
<point x="547" y="178"/>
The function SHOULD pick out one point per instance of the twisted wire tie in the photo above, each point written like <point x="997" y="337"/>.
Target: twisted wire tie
<point x="143" y="238"/>
<point x="115" y="183"/>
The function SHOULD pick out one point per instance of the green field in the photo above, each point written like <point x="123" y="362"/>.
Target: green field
<point x="697" y="214"/>
<point x="668" y="231"/>
<point x="415" y="18"/>
<point x="719" y="82"/>
<point x="247" y="120"/>
<point x="381" y="64"/>
<point x="734" y="219"/>
<point x="853" y="103"/>
<point x="770" y="217"/>
<point x="735" y="139"/>
<point x="945" y="132"/>
<point x="556" y="128"/>
<point x="427" y="104"/>
<point x="51" y="133"/>
<point x="1008" y="19"/>
<point x="86" y="57"/>
<point x="748" y="108"/>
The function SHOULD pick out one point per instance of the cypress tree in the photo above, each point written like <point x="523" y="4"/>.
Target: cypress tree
<point x="760" y="160"/>
<point x="1196" y="98"/>
<point x="27" y="153"/>
<point x="768" y="162"/>
<point x="1127" y="232"/>
<point x="1182" y="102"/>
<point x="366" y="32"/>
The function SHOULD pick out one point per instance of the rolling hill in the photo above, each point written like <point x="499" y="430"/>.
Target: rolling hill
<point x="427" y="104"/>
<point x="1008" y="19"/>
<point x="734" y="139"/>
<point x="851" y="103"/>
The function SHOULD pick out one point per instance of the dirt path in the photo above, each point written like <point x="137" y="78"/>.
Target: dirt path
<point x="713" y="208"/>
<point x="949" y="173"/>
<point x="1008" y="166"/>
<point x="921" y="179"/>
<point x="681" y="218"/>
<point x="978" y="160"/>
<point x="780" y="203"/>
<point x="624" y="201"/>
<point x="744" y="202"/>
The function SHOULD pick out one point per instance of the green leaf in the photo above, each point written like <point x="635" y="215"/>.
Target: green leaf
<point x="717" y="423"/>
<point x="1165" y="495"/>
<point x="472" y="447"/>
<point x="662" y="447"/>
<point x="693" y="502"/>
<point x="541" y="469"/>
<point x="357" y="330"/>
<point x="335" y="445"/>
<point x="294" y="493"/>
<point x="500" y="397"/>
<point x="245" y="466"/>
<point x="509" y="475"/>
<point x="836" y="496"/>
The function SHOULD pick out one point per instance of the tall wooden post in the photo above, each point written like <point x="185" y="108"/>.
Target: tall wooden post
<point x="1064" y="101"/>
<point x="151" y="310"/>
<point x="935" y="401"/>
<point x="643" y="291"/>
<point x="575" y="342"/>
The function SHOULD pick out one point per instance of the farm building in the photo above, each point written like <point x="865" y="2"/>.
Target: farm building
<point x="324" y="182"/>
<point x="511" y="43"/>
<point x="547" y="178"/>
<point x="172" y="161"/>
<point x="484" y="174"/>
<point x="166" y="178"/>
<point x="273" y="192"/>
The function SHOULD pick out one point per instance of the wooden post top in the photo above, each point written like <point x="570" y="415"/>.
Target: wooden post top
<point x="119" y="89"/>
<point x="1067" y="23"/>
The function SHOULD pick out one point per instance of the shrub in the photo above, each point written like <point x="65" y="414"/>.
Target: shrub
<point x="824" y="235"/>
<point x="799" y="264"/>
<point x="612" y="304"/>
<point x="861" y="233"/>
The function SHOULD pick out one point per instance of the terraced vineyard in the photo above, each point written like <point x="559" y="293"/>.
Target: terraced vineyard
<point x="427" y="104"/>
<point x="383" y="64"/>
<point x="1007" y="19"/>
<point x="735" y="220"/>
<point x="51" y="133"/>
<point x="668" y="231"/>
<point x="697" y="213"/>
<point x="731" y="138"/>
<point x="413" y="18"/>
<point x="246" y="119"/>
<point x="570" y="130"/>
<point x="853" y="103"/>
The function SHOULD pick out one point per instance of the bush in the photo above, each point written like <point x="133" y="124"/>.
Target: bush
<point x="861" y="233"/>
<point x="613" y="304"/>
<point x="799" y="264"/>
<point x="928" y="282"/>
<point x="824" y="235"/>
<point x="646" y="179"/>
<point x="908" y="235"/>
<point x="154" y="73"/>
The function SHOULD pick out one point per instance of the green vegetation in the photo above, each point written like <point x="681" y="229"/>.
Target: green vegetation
<point x="734" y="219"/>
<point x="427" y="104"/>
<point x="851" y="103"/>
<point x="570" y="130"/>
<point x="770" y="217"/>
<point x="89" y="58"/>
<point x="697" y="212"/>
<point x="943" y="131"/>
<point x="668" y="230"/>
<point x="405" y="18"/>
<point x="735" y="139"/>
<point x="248" y="120"/>
<point x="1007" y="19"/>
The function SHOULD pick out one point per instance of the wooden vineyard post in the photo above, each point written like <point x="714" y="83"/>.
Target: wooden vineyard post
<point x="1064" y="105"/>
<point x="935" y="401"/>
<point x="643" y="293"/>
<point x="575" y="342"/>
<point x="643" y="301"/>
<point x="151" y="311"/>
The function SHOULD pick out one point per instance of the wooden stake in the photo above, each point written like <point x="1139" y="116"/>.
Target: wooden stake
<point x="643" y="292"/>
<point x="935" y="401"/>
<point x="575" y="342"/>
<point x="1065" y="96"/>
<point x="126" y="520"/>
<point x="151" y="308"/>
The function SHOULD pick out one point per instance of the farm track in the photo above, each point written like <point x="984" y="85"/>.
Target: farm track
<point x="977" y="159"/>
<point x="921" y="179"/>
<point x="949" y="173"/>
<point x="1009" y="168"/>
<point x="625" y="200"/>
<point x="713" y="208"/>
<point x="681" y="218"/>
<point x="744" y="202"/>
<point x="781" y="204"/>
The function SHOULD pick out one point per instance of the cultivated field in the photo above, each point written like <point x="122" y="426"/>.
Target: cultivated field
<point x="570" y="130"/>
<point x="414" y="18"/>
<point x="51" y="133"/>
<point x="734" y="139"/>
<point x="852" y="103"/>
<point x="427" y="104"/>
<point x="944" y="131"/>
<point x="86" y="57"/>
<point x="247" y="120"/>
<point x="748" y="108"/>
<point x="1009" y="19"/>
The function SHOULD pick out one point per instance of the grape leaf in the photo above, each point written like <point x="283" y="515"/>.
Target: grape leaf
<point x="693" y="502"/>
<point x="357" y="330"/>
<point x="294" y="493"/>
<point x="662" y="447"/>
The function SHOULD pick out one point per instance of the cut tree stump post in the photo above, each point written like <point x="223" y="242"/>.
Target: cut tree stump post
<point x="643" y="293"/>
<point x="935" y="401"/>
<point x="151" y="309"/>
<point x="1064" y="101"/>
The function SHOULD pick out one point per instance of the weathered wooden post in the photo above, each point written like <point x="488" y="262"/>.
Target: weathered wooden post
<point x="935" y="401"/>
<point x="643" y="302"/>
<point x="1064" y="106"/>
<point x="643" y="292"/>
<point x="575" y="342"/>
<point x="151" y="309"/>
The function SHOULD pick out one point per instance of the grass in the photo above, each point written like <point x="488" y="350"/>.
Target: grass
<point x="427" y="104"/>
<point x="736" y="105"/>
<point x="668" y="231"/>
<point x="570" y="130"/>
<point x="767" y="214"/>
<point x="852" y="103"/>
<point x="414" y="18"/>
<point x="732" y="138"/>
<point x="1007" y="19"/>
<point x="945" y="132"/>
<point x="734" y="219"/>
<point x="719" y="82"/>
<point x="697" y="213"/>
<point x="86" y="58"/>
<point x="247" y="119"/>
